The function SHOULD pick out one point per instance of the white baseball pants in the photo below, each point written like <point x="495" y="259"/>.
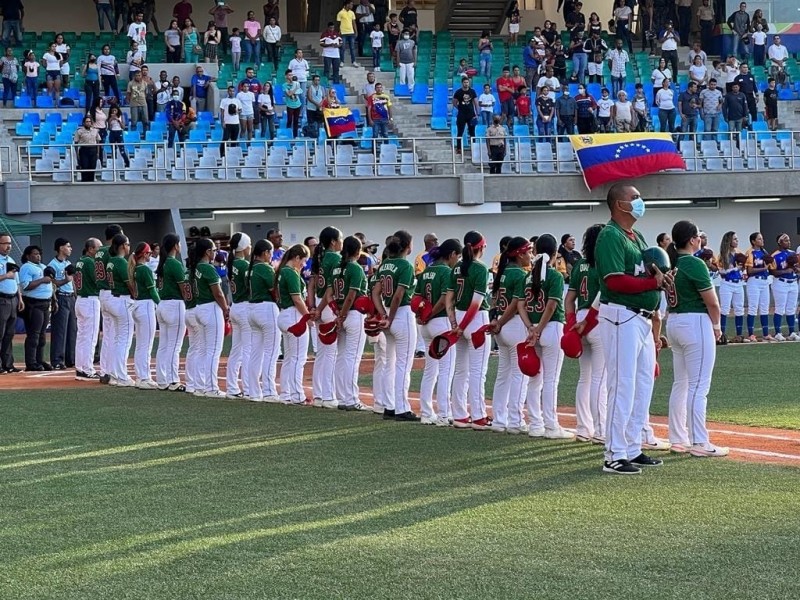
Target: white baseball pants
<point x="542" y="396"/>
<point x="119" y="312"/>
<point x="107" y="347"/>
<point x="591" y="395"/>
<point x="784" y="295"/>
<point x="401" y="339"/>
<point x="240" y="356"/>
<point x="437" y="374"/>
<point x="469" y="378"/>
<point x="350" y="341"/>
<point x="87" y="313"/>
<point x="264" y="350"/>
<point x="757" y="296"/>
<point x="383" y="393"/>
<point x="630" y="362"/>
<point x="694" y="351"/>
<point x="144" y="327"/>
<point x="211" y="325"/>
<point x="322" y="375"/>
<point x="407" y="75"/>
<point x="731" y="294"/>
<point x="171" y="316"/>
<point x="195" y="377"/>
<point x="295" y="355"/>
<point x="421" y="347"/>
<point x="508" y="398"/>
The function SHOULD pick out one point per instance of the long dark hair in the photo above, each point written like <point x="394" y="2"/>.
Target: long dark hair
<point x="298" y="250"/>
<point x="233" y="244"/>
<point x="326" y="237"/>
<point x="399" y="243"/>
<point x="117" y="241"/>
<point x="259" y="248"/>
<point x="513" y="244"/>
<point x="444" y="250"/>
<point x="546" y="244"/>
<point x="201" y="246"/>
<point x="167" y="245"/>
<point x="135" y="256"/>
<point x="471" y="239"/>
<point x="725" y="249"/>
<point x="682" y="234"/>
<point x="351" y="249"/>
<point x="590" y="241"/>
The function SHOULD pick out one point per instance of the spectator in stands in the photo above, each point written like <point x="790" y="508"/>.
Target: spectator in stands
<point x="366" y="92"/>
<point x="622" y="18"/>
<point x="347" y="27"/>
<point x="51" y="61"/>
<point x="211" y="40"/>
<point x="778" y="55"/>
<point x="516" y="78"/>
<point x="314" y="97"/>
<point x="272" y="41"/>
<point x="182" y="11"/>
<point x="731" y="72"/>
<point x="149" y="9"/>
<point x="172" y="42"/>
<point x="291" y="95"/>
<point x="522" y="106"/>
<point x="163" y="92"/>
<point x="665" y="101"/>
<point x="134" y="60"/>
<point x="176" y="86"/>
<point x="31" y="66"/>
<point x="116" y="127"/>
<point x="137" y="101"/>
<point x="331" y="43"/>
<point x="759" y="37"/>
<point x="549" y="80"/>
<point x="150" y="92"/>
<point x="365" y="19"/>
<point x="617" y="62"/>
<point x="99" y="122"/>
<point x="299" y="67"/>
<point x="505" y="93"/>
<point x="331" y="100"/>
<point x="192" y="51"/>
<point x="496" y="145"/>
<point x="252" y="39"/>
<point x="641" y="109"/>
<point x="748" y="87"/>
<point x="91" y="79"/>
<point x="739" y="24"/>
<point x="63" y="51"/>
<point x="688" y="103"/>
<point x="659" y="75"/>
<point x="380" y="113"/>
<point x="486" y="101"/>
<point x="530" y="62"/>
<point x="513" y="22"/>
<point x="109" y="70"/>
<point x="408" y="16"/>
<point x="545" y="110"/>
<point x="771" y="104"/>
<point x="669" y="46"/>
<point x="376" y="39"/>
<point x="87" y="138"/>
<point x="697" y="50"/>
<point x="220" y="13"/>
<point x="596" y="68"/>
<point x="104" y="13"/>
<point x="622" y="114"/>
<point x="705" y="17"/>
<point x="465" y="101"/>
<point x="235" y="42"/>
<point x="604" y="107"/>
<point x="580" y="60"/>
<point x="540" y="44"/>
<point x="9" y="66"/>
<point x="272" y="11"/>
<point x="684" y="9"/>
<point x="266" y="108"/>
<point x="176" y="120"/>
<point x="559" y="61"/>
<point x="407" y="59"/>
<point x="576" y="18"/>
<point x="710" y="107"/>
<point x="13" y="13"/>
<point x="565" y="112"/>
<point x="229" y="110"/>
<point x="247" y="99"/>
<point x="485" y="48"/>
<point x="137" y="32"/>
<point x="698" y="73"/>
<point x="394" y="29"/>
<point x="586" y="108"/>
<point x="121" y="16"/>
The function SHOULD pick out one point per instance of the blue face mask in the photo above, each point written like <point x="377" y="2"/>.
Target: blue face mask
<point x="637" y="208"/>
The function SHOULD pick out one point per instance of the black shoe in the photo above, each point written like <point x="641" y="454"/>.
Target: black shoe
<point x="341" y="407"/>
<point x="620" y="467"/>
<point x="645" y="461"/>
<point x="419" y="354"/>
<point x="406" y="416"/>
<point x="13" y="370"/>
<point x="105" y="378"/>
<point x="723" y="340"/>
<point x="34" y="368"/>
<point x="388" y="414"/>
<point x="3" y="371"/>
<point x="47" y="366"/>
<point x="58" y="367"/>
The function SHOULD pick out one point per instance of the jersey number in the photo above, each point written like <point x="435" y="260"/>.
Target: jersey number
<point x="584" y="288"/>
<point x="99" y="271"/>
<point x="77" y="278"/>
<point x="387" y="286"/>
<point x="459" y="288"/>
<point x="502" y="301"/>
<point x="338" y="289"/>
<point x="538" y="307"/>
<point x="672" y="297"/>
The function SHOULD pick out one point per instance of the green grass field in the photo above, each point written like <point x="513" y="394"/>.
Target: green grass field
<point x="137" y="495"/>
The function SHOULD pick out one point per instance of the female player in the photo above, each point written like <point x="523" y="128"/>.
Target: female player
<point x="731" y="289"/>
<point x="119" y="310"/>
<point x="692" y="330"/>
<point x="382" y="391"/>
<point x="348" y="283"/>
<point x="432" y="286"/>
<point x="508" y="286"/>
<point x="210" y="313"/>
<point x="145" y="300"/>
<point x="240" y="353"/>
<point x="263" y="322"/>
<point x="292" y="302"/>
<point x="542" y="313"/>
<point x="174" y="290"/>
<point x="757" y="266"/>
<point x="468" y="310"/>
<point x="591" y="394"/>
<point x="326" y="259"/>
<point x="784" y="288"/>
<point x="391" y="295"/>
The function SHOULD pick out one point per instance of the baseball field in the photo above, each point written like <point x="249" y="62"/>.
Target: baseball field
<point x="111" y="493"/>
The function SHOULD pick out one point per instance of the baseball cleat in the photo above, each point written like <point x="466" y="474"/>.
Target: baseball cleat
<point x="793" y="337"/>
<point x="679" y="448"/>
<point x="214" y="394"/>
<point x="444" y="422"/>
<point x="514" y="430"/>
<point x="272" y="399"/>
<point x="358" y="407"/>
<point x="779" y="337"/>
<point x="558" y="434"/>
<point x="620" y="467"/>
<point x="599" y="440"/>
<point x="462" y="423"/>
<point x="483" y="424"/>
<point x="428" y="420"/>
<point x="388" y="414"/>
<point x="536" y="432"/>
<point x="406" y="416"/>
<point x="328" y="403"/>
<point x="583" y="438"/>
<point x="146" y="384"/>
<point x="645" y="461"/>
<point x="123" y="382"/>
<point x="176" y="387"/>
<point x="317" y="402"/>
<point x="377" y="409"/>
<point x="708" y="450"/>
<point x="497" y="428"/>
<point x="657" y="445"/>
<point x="105" y="379"/>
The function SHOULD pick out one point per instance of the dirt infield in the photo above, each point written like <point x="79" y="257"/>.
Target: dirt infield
<point x="753" y="444"/>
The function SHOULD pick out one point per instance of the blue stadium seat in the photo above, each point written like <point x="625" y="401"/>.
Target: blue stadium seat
<point x="340" y="92"/>
<point x="420" y="94"/>
<point x="786" y="94"/>
<point x="401" y="90"/>
<point x="22" y="102"/>
<point x="54" y="118"/>
<point x="278" y="91"/>
<point x="439" y="123"/>
<point x="32" y="117"/>
<point x="44" y="102"/>
<point x="198" y="135"/>
<point x="161" y="117"/>
<point x="75" y="117"/>
<point x="24" y="129"/>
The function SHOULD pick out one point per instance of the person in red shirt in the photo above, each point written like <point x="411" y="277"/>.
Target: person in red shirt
<point x="505" y="92"/>
<point x="523" y="105"/>
<point x="182" y="11"/>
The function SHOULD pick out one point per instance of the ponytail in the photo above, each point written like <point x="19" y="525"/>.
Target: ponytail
<point x="201" y="246"/>
<point x="445" y="250"/>
<point x="513" y="249"/>
<point x="682" y="234"/>
<point x="167" y="246"/>
<point x="326" y="237"/>
<point x="472" y="241"/>
<point x="235" y="238"/>
<point x="398" y="244"/>
<point x="546" y="247"/>
<point x="260" y="248"/>
<point x="351" y="248"/>
<point x="590" y="241"/>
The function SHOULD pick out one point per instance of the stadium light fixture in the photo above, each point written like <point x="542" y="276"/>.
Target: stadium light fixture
<point x="747" y="200"/>
<point x="240" y="211"/>
<point x="568" y="204"/>
<point x="387" y="207"/>
<point x="667" y="202"/>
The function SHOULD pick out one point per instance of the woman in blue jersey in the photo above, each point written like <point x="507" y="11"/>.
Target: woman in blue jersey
<point x="731" y="289"/>
<point x="757" y="266"/>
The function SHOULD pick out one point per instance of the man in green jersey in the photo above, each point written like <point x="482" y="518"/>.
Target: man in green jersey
<point x="87" y="311"/>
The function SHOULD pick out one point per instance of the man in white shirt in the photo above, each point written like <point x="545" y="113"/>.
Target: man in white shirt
<point x="300" y="69"/>
<point x="778" y="55"/>
<point x="137" y="32"/>
<point x="331" y="42"/>
<point x="229" y="110"/>
<point x="163" y="92"/>
<point x="367" y="91"/>
<point x="669" y="47"/>
<point x="617" y="59"/>
<point x="549" y="80"/>
<point x="697" y="51"/>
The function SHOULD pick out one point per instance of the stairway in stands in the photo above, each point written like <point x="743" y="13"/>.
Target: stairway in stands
<point x="470" y="17"/>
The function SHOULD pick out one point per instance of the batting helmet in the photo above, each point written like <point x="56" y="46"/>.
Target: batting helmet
<point x="656" y="256"/>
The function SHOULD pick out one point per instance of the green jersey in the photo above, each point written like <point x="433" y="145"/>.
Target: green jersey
<point x="393" y="274"/>
<point x="584" y="282"/>
<point x="290" y="284"/>
<point x="117" y="276"/>
<point x="144" y="284"/>
<point x="352" y="277"/>
<point x="691" y="280"/>
<point x="620" y="253"/>
<point x="465" y="285"/>
<point x="101" y="259"/>
<point x="84" y="278"/>
<point x="172" y="283"/>
<point x="205" y="277"/>
<point x="238" y="281"/>
<point x="432" y="284"/>
<point x="330" y="261"/>
<point x="262" y="283"/>
<point x="552" y="289"/>
<point x="512" y="285"/>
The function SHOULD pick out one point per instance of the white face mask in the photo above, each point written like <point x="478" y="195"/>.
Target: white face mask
<point x="406" y="36"/>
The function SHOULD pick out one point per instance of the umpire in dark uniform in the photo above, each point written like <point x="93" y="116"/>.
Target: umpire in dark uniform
<point x="10" y="304"/>
<point x="63" y="324"/>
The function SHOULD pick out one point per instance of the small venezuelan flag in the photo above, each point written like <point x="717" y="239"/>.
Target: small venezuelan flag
<point x="338" y="121"/>
<point x="612" y="156"/>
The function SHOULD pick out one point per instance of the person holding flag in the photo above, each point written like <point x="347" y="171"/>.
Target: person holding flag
<point x="380" y="113"/>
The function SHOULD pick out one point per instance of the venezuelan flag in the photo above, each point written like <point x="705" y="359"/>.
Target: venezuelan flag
<point x="338" y="121"/>
<point x="609" y="157"/>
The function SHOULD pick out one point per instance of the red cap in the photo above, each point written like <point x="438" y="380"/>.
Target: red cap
<point x="479" y="336"/>
<point x="528" y="360"/>
<point x="417" y="302"/>
<point x="228" y="328"/>
<point x="327" y="333"/>
<point x="658" y="370"/>
<point x="371" y="326"/>
<point x="364" y="305"/>
<point x="441" y="344"/>
<point x="299" y="328"/>
<point x="571" y="344"/>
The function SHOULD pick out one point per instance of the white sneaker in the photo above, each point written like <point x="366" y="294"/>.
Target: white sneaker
<point x="356" y="65"/>
<point x="253" y="399"/>
<point x="583" y="438"/>
<point x="377" y="409"/>
<point x="236" y="396"/>
<point x="558" y="434"/>
<point x="497" y="428"/>
<point x="428" y="420"/>
<point x="122" y="382"/>
<point x="779" y="337"/>
<point x="656" y="444"/>
<point x="176" y="387"/>
<point x="708" y="450"/>
<point x="377" y="69"/>
<point x="536" y="432"/>
<point x="218" y="394"/>
<point x="272" y="399"/>
<point x="514" y="430"/>
<point x="793" y="337"/>
<point x="443" y="422"/>
<point x="679" y="448"/>
<point x="329" y="403"/>
<point x="599" y="440"/>
<point x="199" y="394"/>
<point x="146" y="384"/>
<point x="317" y="402"/>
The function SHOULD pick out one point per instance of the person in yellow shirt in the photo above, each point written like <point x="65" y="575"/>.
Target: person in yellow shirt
<point x="347" y="28"/>
<point x="423" y="258"/>
<point x="496" y="260"/>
